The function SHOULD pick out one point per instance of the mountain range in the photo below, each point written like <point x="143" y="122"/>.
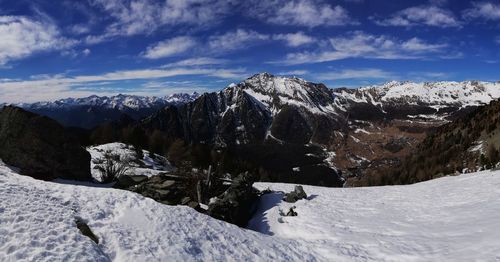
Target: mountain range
<point x="289" y="127"/>
<point x="89" y="112"/>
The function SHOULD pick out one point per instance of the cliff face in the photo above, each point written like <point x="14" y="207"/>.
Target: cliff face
<point x="40" y="147"/>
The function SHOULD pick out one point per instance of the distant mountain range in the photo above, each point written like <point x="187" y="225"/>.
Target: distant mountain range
<point x="302" y="125"/>
<point x="92" y="111"/>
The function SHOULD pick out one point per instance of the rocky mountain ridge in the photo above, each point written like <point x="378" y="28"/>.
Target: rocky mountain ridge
<point x="357" y="129"/>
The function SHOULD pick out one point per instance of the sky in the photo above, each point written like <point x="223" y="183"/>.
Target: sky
<point x="56" y="49"/>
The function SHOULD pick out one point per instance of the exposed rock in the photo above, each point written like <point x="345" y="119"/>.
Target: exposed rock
<point x="40" y="147"/>
<point x="297" y="194"/>
<point x="291" y="212"/>
<point x="237" y="204"/>
<point x="125" y="181"/>
<point x="85" y="230"/>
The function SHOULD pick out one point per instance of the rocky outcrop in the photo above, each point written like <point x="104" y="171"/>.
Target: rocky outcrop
<point x="297" y="194"/>
<point x="40" y="147"/>
<point x="238" y="203"/>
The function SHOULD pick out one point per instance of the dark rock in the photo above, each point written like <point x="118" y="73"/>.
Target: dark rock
<point x="237" y="204"/>
<point x="40" y="147"/>
<point x="297" y="194"/>
<point x="185" y="200"/>
<point x="291" y="212"/>
<point x="85" y="230"/>
<point x="125" y="181"/>
<point x="290" y="125"/>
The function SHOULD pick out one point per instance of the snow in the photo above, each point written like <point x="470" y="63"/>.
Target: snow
<point x="447" y="219"/>
<point x="478" y="146"/>
<point x="37" y="224"/>
<point x="147" y="167"/>
<point x="120" y="101"/>
<point x="452" y="218"/>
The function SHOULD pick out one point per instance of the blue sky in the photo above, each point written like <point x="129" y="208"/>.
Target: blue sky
<point x="57" y="49"/>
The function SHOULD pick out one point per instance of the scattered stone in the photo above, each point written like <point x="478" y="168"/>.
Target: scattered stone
<point x="85" y="230"/>
<point x="167" y="183"/>
<point x="125" y="181"/>
<point x="185" y="200"/>
<point x="297" y="194"/>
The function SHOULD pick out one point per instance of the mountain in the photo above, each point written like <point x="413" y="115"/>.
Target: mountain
<point x="40" y="147"/>
<point x="358" y="131"/>
<point x="91" y="111"/>
<point x="468" y="144"/>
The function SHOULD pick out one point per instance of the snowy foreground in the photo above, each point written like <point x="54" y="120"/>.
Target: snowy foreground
<point x="447" y="219"/>
<point x="37" y="223"/>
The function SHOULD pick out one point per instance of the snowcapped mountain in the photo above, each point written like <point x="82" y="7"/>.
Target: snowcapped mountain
<point x="120" y="101"/>
<point x="91" y="111"/>
<point x="274" y="92"/>
<point x="434" y="94"/>
<point x="366" y="128"/>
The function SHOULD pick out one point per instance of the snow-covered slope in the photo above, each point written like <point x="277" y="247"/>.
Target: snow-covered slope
<point x="273" y="92"/>
<point x="276" y="91"/>
<point x="437" y="94"/>
<point x="148" y="165"/>
<point x="447" y="219"/>
<point x="37" y="223"/>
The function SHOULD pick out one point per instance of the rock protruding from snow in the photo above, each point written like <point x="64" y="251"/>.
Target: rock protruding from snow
<point x="238" y="203"/>
<point x="297" y="194"/>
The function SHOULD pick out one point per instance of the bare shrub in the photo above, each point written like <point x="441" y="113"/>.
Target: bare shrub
<point x="112" y="167"/>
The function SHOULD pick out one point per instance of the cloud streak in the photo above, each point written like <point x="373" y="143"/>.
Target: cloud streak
<point x="362" y="45"/>
<point x="420" y="16"/>
<point x="170" y="47"/>
<point x="58" y="86"/>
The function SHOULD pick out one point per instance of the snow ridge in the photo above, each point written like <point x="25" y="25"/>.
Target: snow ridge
<point x="120" y="101"/>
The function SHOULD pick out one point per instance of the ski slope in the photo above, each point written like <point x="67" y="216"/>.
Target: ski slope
<point x="446" y="219"/>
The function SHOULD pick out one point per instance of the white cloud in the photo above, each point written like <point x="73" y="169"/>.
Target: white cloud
<point x="418" y="45"/>
<point x="170" y="47"/>
<point x="198" y="61"/>
<point x="22" y="36"/>
<point x="361" y="45"/>
<point x="86" y="52"/>
<point x="294" y="73"/>
<point x="483" y="10"/>
<point x="59" y="86"/>
<point x="295" y="39"/>
<point x="239" y="39"/>
<point x="79" y="29"/>
<point x="422" y="15"/>
<point x="368" y="73"/>
<point x="309" y="13"/>
<point x="132" y="17"/>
